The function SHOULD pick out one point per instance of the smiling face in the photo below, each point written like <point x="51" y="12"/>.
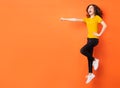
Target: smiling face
<point x="90" y="10"/>
<point x="93" y="10"/>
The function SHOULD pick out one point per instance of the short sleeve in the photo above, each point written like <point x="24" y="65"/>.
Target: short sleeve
<point x="99" y="19"/>
<point x="84" y="19"/>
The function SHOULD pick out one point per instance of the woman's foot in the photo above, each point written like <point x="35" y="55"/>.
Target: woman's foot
<point x="89" y="77"/>
<point x="95" y="64"/>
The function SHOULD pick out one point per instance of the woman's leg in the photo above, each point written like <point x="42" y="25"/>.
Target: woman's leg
<point x="90" y="61"/>
<point x="87" y="50"/>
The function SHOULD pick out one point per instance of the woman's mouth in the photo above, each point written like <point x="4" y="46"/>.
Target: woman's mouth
<point x="89" y="11"/>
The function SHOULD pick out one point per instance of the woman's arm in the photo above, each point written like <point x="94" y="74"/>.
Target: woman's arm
<point x="104" y="26"/>
<point x="72" y="19"/>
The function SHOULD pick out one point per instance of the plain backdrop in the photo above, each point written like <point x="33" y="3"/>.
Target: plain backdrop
<point x="37" y="50"/>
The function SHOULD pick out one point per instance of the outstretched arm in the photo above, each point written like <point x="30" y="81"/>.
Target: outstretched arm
<point x="72" y="19"/>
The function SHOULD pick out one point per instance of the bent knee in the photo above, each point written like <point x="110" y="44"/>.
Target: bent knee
<point x="82" y="51"/>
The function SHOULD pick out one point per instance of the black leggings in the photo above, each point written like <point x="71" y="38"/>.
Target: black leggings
<point x="87" y="50"/>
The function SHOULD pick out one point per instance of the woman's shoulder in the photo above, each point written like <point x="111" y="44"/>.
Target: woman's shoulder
<point x="99" y="19"/>
<point x="97" y="16"/>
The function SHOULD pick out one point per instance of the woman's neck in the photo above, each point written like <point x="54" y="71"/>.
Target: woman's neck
<point x="91" y="16"/>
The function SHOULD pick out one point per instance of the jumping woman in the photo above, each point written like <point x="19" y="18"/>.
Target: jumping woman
<point x="93" y="19"/>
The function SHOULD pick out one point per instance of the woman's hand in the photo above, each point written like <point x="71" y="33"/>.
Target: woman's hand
<point x="62" y="19"/>
<point x="96" y="34"/>
<point x="68" y="19"/>
<point x="71" y="19"/>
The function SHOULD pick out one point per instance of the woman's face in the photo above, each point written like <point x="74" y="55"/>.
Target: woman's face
<point x="91" y="10"/>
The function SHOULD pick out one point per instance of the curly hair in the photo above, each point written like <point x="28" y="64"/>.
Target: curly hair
<point x="97" y="10"/>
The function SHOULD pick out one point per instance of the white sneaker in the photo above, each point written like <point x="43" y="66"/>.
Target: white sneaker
<point x="95" y="64"/>
<point x="90" y="77"/>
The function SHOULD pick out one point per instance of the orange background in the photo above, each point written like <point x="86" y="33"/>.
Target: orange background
<point x="37" y="50"/>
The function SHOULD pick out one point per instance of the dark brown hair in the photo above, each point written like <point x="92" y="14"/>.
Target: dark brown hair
<point x="97" y="10"/>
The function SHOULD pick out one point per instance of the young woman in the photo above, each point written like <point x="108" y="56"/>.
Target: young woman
<point x="94" y="17"/>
